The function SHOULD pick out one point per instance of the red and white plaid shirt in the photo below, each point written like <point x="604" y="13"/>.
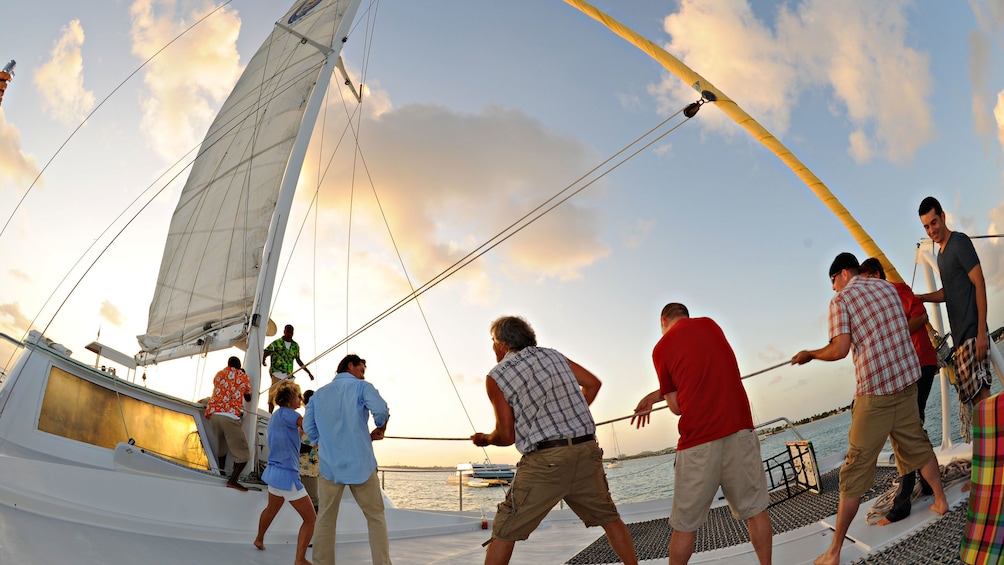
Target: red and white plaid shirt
<point x="871" y="312"/>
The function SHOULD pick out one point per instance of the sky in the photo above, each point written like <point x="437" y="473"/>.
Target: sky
<point x="475" y="113"/>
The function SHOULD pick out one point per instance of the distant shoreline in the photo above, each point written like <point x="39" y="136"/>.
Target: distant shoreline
<point x="643" y="455"/>
<point x="768" y="432"/>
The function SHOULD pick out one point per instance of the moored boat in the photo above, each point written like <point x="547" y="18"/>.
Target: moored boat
<point x="484" y="474"/>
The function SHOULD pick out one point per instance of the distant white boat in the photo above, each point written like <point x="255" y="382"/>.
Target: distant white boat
<point x="483" y="474"/>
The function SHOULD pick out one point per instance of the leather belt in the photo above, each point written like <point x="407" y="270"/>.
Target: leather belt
<point x="549" y="443"/>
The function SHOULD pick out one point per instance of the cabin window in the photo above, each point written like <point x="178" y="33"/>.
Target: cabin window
<point x="80" y="410"/>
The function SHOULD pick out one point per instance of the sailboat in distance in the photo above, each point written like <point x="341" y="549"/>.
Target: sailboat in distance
<point x="615" y="461"/>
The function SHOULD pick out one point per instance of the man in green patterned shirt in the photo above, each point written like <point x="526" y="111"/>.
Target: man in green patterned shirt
<point x="283" y="351"/>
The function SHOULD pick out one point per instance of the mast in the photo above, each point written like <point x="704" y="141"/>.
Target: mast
<point x="5" y="76"/>
<point x="277" y="228"/>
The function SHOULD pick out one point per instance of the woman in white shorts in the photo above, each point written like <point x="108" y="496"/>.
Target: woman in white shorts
<point x="282" y="475"/>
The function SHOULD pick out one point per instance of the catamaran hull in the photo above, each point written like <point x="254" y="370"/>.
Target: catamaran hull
<point x="53" y="469"/>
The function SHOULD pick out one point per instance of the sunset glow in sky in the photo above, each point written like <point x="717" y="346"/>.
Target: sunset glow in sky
<point x="474" y="113"/>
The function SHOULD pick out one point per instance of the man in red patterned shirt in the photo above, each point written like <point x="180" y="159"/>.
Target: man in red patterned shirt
<point x="231" y="389"/>
<point x="867" y="315"/>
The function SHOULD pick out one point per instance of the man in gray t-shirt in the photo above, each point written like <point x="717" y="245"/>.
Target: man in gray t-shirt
<point x="964" y="292"/>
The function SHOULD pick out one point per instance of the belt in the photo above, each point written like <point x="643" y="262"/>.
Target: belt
<point x="549" y="443"/>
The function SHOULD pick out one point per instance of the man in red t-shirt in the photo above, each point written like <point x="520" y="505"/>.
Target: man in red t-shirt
<point x="917" y="325"/>
<point x="699" y="380"/>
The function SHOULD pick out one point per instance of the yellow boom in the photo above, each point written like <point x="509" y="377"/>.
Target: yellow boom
<point x="740" y="116"/>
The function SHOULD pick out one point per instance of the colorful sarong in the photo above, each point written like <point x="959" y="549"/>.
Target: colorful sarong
<point x="983" y="538"/>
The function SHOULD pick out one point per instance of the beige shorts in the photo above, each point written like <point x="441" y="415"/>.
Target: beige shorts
<point x="275" y="381"/>
<point x="875" y="417"/>
<point x="733" y="463"/>
<point x="230" y="437"/>
<point x="571" y="473"/>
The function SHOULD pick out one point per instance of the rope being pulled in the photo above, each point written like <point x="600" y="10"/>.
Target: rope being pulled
<point x="598" y="424"/>
<point x="951" y="472"/>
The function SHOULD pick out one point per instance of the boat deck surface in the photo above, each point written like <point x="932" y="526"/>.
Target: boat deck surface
<point x="563" y="539"/>
<point x="920" y="538"/>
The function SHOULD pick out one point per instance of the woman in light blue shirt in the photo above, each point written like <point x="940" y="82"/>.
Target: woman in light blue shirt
<point x="282" y="475"/>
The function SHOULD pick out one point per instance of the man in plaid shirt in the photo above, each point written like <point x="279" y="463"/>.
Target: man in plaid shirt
<point x="867" y="316"/>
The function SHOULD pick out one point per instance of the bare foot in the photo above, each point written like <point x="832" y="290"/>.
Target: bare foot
<point x="237" y="486"/>
<point x="828" y="558"/>
<point x="302" y="562"/>
<point x="939" y="507"/>
<point x="883" y="522"/>
<point x="259" y="544"/>
<point x="967" y="486"/>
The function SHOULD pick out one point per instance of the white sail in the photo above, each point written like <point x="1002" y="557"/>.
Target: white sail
<point x="213" y="255"/>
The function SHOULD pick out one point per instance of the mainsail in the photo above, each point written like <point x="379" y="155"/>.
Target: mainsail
<point x="213" y="256"/>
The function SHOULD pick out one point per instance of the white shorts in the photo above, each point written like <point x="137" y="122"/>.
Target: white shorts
<point x="289" y="495"/>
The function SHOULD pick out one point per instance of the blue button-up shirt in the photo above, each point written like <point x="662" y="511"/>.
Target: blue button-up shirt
<point x="337" y="419"/>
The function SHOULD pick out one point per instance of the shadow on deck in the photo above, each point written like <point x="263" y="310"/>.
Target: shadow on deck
<point x="651" y="538"/>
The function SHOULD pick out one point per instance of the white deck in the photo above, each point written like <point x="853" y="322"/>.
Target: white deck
<point x="31" y="538"/>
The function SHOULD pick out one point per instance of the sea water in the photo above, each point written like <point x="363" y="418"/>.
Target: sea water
<point x="648" y="478"/>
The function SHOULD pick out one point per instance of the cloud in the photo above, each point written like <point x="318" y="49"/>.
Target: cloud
<point x="192" y="75"/>
<point x="16" y="167"/>
<point x="856" y="51"/>
<point x="989" y="16"/>
<point x="19" y="275"/>
<point x="998" y="118"/>
<point x="111" y="313"/>
<point x="991" y="254"/>
<point x="448" y="181"/>
<point x="60" y="80"/>
<point x="979" y="56"/>
<point x="12" y="320"/>
<point x="771" y="354"/>
<point x="638" y="233"/>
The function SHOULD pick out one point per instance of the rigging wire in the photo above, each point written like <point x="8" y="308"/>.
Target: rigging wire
<point x="404" y="269"/>
<point x="605" y="422"/>
<point x="518" y="225"/>
<point x="98" y="107"/>
<point x="138" y="200"/>
<point x="355" y="115"/>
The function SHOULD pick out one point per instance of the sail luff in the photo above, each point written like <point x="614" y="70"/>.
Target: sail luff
<point x="280" y="217"/>
<point x="747" y="122"/>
